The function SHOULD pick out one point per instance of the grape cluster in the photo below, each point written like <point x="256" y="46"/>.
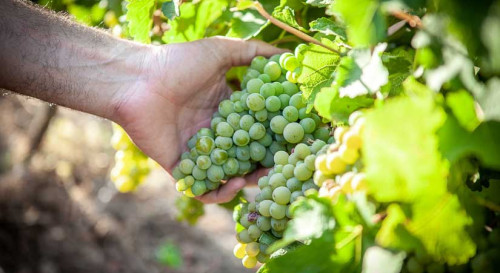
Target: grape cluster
<point x="268" y="115"/>
<point x="131" y="165"/>
<point x="262" y="222"/>
<point x="338" y="169"/>
<point x="292" y="63"/>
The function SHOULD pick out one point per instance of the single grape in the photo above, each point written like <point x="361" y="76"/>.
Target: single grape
<point x="246" y="122"/>
<point x="279" y="225"/>
<point x="308" y="124"/>
<point x="352" y="140"/>
<point x="223" y="142"/>
<point x="254" y="85"/>
<point x="231" y="166"/>
<point x="293" y="132"/>
<point x="257" y="151"/>
<point x="272" y="69"/>
<point x="181" y="185"/>
<point x="291" y="63"/>
<point x="292" y="77"/>
<point x="192" y="142"/>
<point x="302" y="150"/>
<point x="266" y="193"/>
<point x="198" y="188"/>
<point x="281" y="157"/>
<point x="185" y="155"/>
<point x="257" y="131"/>
<point x="249" y="262"/>
<point x="283" y="57"/>
<point x="252" y="73"/>
<point x="291" y="113"/>
<point x="245" y="167"/>
<point x="234" y="120"/>
<point x="236" y="96"/>
<point x="244" y="220"/>
<point x="264" y="223"/>
<point x="205" y="145"/>
<point x="224" y="129"/>
<point x="258" y="63"/>
<point x="218" y="156"/>
<point x="186" y="166"/>
<point x="281" y="195"/>
<point x="277" y="211"/>
<point x="254" y="232"/>
<point x="268" y="161"/>
<point x="302" y="172"/>
<point x="285" y="100"/>
<point x="264" y="207"/>
<point x="334" y="163"/>
<point x="243" y="101"/>
<point x="231" y="152"/>
<point x="267" y="90"/>
<point x="297" y="101"/>
<point x="241" y="137"/>
<point x="267" y="140"/>
<point x="309" y="162"/>
<point x="211" y="185"/>
<point x="215" y="173"/>
<point x="243" y="237"/>
<point x="289" y="88"/>
<point x="199" y="174"/>
<point x="239" y="250"/>
<point x="261" y="115"/>
<point x="263" y="182"/>
<point x="293" y="159"/>
<point x="226" y="108"/>
<point x="322" y="133"/>
<point x="256" y="102"/>
<point x="277" y="180"/>
<point x="278" y="124"/>
<point x="273" y="104"/>
<point x="265" y="78"/>
<point x="278" y="88"/>
<point x="287" y="170"/>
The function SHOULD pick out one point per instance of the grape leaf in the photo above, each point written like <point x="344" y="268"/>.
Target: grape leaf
<point x="399" y="63"/>
<point x="317" y="67"/>
<point x="194" y="20"/>
<point x="286" y="15"/>
<point x="365" y="20"/>
<point x="489" y="98"/>
<point x="170" y="9"/>
<point x="139" y="19"/>
<point x="462" y="105"/>
<point x="331" y="106"/>
<point x="319" y="3"/>
<point x="377" y="259"/>
<point x="361" y="72"/>
<point x="246" y="24"/>
<point x="400" y="150"/>
<point x="327" y="27"/>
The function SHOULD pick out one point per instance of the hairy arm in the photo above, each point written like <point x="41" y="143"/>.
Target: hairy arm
<point x="45" y="55"/>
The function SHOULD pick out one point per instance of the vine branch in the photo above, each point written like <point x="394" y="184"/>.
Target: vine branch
<point x="258" y="6"/>
<point x="412" y="20"/>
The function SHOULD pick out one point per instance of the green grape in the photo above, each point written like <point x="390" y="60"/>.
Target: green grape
<point x="264" y="207"/>
<point x="186" y="166"/>
<point x="317" y="145"/>
<point x="254" y="85"/>
<point x="291" y="63"/>
<point x="231" y="152"/>
<point x="177" y="174"/>
<point x="296" y="195"/>
<point x="289" y="88"/>
<point x="272" y="69"/>
<point x="258" y="63"/>
<point x="278" y="168"/>
<point x="245" y="166"/>
<point x="181" y="185"/>
<point x="281" y="157"/>
<point x="303" y="113"/>
<point x="239" y="107"/>
<point x="281" y="195"/>
<point x="277" y="180"/>
<point x="246" y="122"/>
<point x="291" y="113"/>
<point x="283" y="57"/>
<point x="309" y="162"/>
<point x="266" y="193"/>
<point x="211" y="185"/>
<point x="223" y="142"/>
<point x="316" y="119"/>
<point x="243" y="153"/>
<point x="308" y="125"/>
<point x="199" y="187"/>
<point x="294" y="184"/>
<point x="261" y="115"/>
<point x="236" y="96"/>
<point x="299" y="49"/>
<point x="322" y="133"/>
<point x="252" y="73"/>
<point x="226" y="108"/>
<point x="302" y="172"/>
<point x="266" y="141"/>
<point x="243" y="237"/>
<point x="285" y="100"/>
<point x="256" y="102"/>
<point x="185" y="155"/>
<point x="277" y="211"/>
<point x="264" y="223"/>
<point x="215" y="173"/>
<point x="292" y="76"/>
<point x="278" y="88"/>
<point x="278" y="225"/>
<point x="218" y="156"/>
<point x="302" y="150"/>
<point x="244" y="100"/>
<point x="268" y="161"/>
<point x="293" y="132"/>
<point x="224" y="129"/>
<point x="275" y="58"/>
<point x="198" y="173"/>
<point x="273" y="104"/>
<point x="257" y="131"/>
<point x="293" y="159"/>
<point x="278" y="124"/>
<point x="249" y="262"/>
<point x="287" y="170"/>
<point x="265" y="78"/>
<point x="205" y="145"/>
<point x="241" y="138"/>
<point x="203" y="162"/>
<point x="275" y="147"/>
<point x="234" y="120"/>
<point x="192" y="142"/>
<point x="263" y="182"/>
<point x="231" y="166"/>
<point x="309" y="184"/>
<point x="254" y="232"/>
<point x="267" y="90"/>
<point x="257" y="151"/>
<point x="297" y="101"/>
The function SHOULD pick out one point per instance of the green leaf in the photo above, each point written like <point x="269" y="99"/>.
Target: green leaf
<point x="331" y="106"/>
<point x="455" y="142"/>
<point x="377" y="259"/>
<point x="194" y="20"/>
<point x="169" y="254"/>
<point x="361" y="72"/>
<point x="317" y="67"/>
<point x="399" y="63"/>
<point x="491" y="41"/>
<point x="140" y="19"/>
<point x="246" y="24"/>
<point x="462" y="105"/>
<point x="365" y="20"/>
<point x="244" y="4"/>
<point x="319" y="3"/>
<point x="170" y="9"/>
<point x="489" y="98"/>
<point x="400" y="150"/>
<point x="286" y="15"/>
<point x="327" y="27"/>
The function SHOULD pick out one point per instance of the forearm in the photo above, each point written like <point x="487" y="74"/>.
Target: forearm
<point x="46" y="56"/>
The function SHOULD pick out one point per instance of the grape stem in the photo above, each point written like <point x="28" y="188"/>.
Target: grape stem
<point x="258" y="6"/>
<point x="412" y="20"/>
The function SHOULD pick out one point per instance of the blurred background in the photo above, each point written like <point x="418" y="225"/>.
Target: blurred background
<point x="59" y="211"/>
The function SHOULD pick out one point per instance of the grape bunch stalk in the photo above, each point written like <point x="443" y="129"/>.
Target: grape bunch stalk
<point x="131" y="165"/>
<point x="262" y="222"/>
<point x="268" y="115"/>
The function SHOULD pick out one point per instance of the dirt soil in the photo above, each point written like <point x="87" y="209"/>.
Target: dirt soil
<point x="60" y="213"/>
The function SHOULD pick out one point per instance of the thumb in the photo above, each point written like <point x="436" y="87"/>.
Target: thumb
<point x="241" y="52"/>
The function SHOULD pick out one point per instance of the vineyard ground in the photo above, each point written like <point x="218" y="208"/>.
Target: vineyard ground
<point x="59" y="213"/>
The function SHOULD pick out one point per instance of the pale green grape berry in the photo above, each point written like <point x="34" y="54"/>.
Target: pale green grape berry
<point x="198" y="188"/>
<point x="205" y="145"/>
<point x="266" y="193"/>
<point x="293" y="132"/>
<point x="277" y="211"/>
<point x="254" y="85"/>
<point x="198" y="173"/>
<point x="296" y="195"/>
<point x="264" y="207"/>
<point x="215" y="173"/>
<point x="203" y="162"/>
<point x="230" y="167"/>
<point x="322" y="133"/>
<point x="258" y="63"/>
<point x="283" y="57"/>
<point x="272" y="69"/>
<point x="294" y="184"/>
<point x="297" y="101"/>
<point x="263" y="182"/>
<point x="267" y="90"/>
<point x="278" y="124"/>
<point x="289" y="88"/>
<point x="281" y="157"/>
<point x="278" y="225"/>
<point x="302" y="150"/>
<point x="254" y="232"/>
<point x="261" y="115"/>
<point x="246" y="122"/>
<point x="277" y="180"/>
<point x="278" y="88"/>
<point x="241" y="137"/>
<point x="281" y="195"/>
<point x="267" y="140"/>
<point x="212" y="185"/>
<point x="186" y="166"/>
<point x="302" y="172"/>
<point x="273" y="104"/>
<point x="218" y="156"/>
<point x="223" y="142"/>
<point x="243" y="153"/>
<point x="265" y="78"/>
<point x="256" y="102"/>
<point x="264" y="223"/>
<point x="291" y="113"/>
<point x="257" y="151"/>
<point x="234" y="120"/>
<point x="308" y="124"/>
<point x="226" y="108"/>
<point x="224" y="129"/>
<point x="287" y="170"/>
<point x="291" y="63"/>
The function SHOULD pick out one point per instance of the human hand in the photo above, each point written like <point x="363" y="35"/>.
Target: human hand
<point x="181" y="89"/>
